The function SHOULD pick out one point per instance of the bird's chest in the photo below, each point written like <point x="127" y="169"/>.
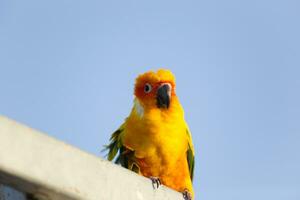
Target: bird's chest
<point x="156" y="143"/>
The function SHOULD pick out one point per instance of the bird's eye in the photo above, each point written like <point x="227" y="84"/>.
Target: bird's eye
<point x="147" y="88"/>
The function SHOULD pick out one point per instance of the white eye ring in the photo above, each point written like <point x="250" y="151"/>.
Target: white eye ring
<point x="147" y="88"/>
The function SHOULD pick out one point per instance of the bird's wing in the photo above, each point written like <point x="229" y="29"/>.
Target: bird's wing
<point x="190" y="154"/>
<point x="118" y="151"/>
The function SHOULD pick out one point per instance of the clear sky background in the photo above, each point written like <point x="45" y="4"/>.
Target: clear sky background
<point x="68" y="67"/>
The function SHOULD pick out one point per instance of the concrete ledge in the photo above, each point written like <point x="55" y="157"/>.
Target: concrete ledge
<point x="35" y="163"/>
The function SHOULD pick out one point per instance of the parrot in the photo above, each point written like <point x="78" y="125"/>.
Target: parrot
<point x="154" y="140"/>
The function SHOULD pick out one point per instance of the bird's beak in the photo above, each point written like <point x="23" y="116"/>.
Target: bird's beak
<point x="163" y="95"/>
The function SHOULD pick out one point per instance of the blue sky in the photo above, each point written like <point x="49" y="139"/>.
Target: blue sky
<point x="68" y="67"/>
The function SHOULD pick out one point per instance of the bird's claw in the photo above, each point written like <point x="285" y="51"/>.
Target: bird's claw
<point x="187" y="195"/>
<point x="155" y="182"/>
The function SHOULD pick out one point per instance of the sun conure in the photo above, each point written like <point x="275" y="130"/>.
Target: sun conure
<point x="155" y="140"/>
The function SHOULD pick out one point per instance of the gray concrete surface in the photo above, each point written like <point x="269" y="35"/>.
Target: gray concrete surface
<point x="8" y="193"/>
<point x="35" y="163"/>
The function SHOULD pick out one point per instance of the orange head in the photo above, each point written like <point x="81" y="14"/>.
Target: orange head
<point x="155" y="89"/>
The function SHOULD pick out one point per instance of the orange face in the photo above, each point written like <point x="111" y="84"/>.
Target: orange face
<point x="155" y="89"/>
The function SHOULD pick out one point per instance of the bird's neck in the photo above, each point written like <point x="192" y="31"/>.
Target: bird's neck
<point x="174" y="112"/>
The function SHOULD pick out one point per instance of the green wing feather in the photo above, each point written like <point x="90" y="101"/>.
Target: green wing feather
<point x="119" y="153"/>
<point x="190" y="154"/>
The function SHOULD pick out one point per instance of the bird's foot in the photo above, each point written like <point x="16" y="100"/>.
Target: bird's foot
<point x="155" y="182"/>
<point x="187" y="195"/>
